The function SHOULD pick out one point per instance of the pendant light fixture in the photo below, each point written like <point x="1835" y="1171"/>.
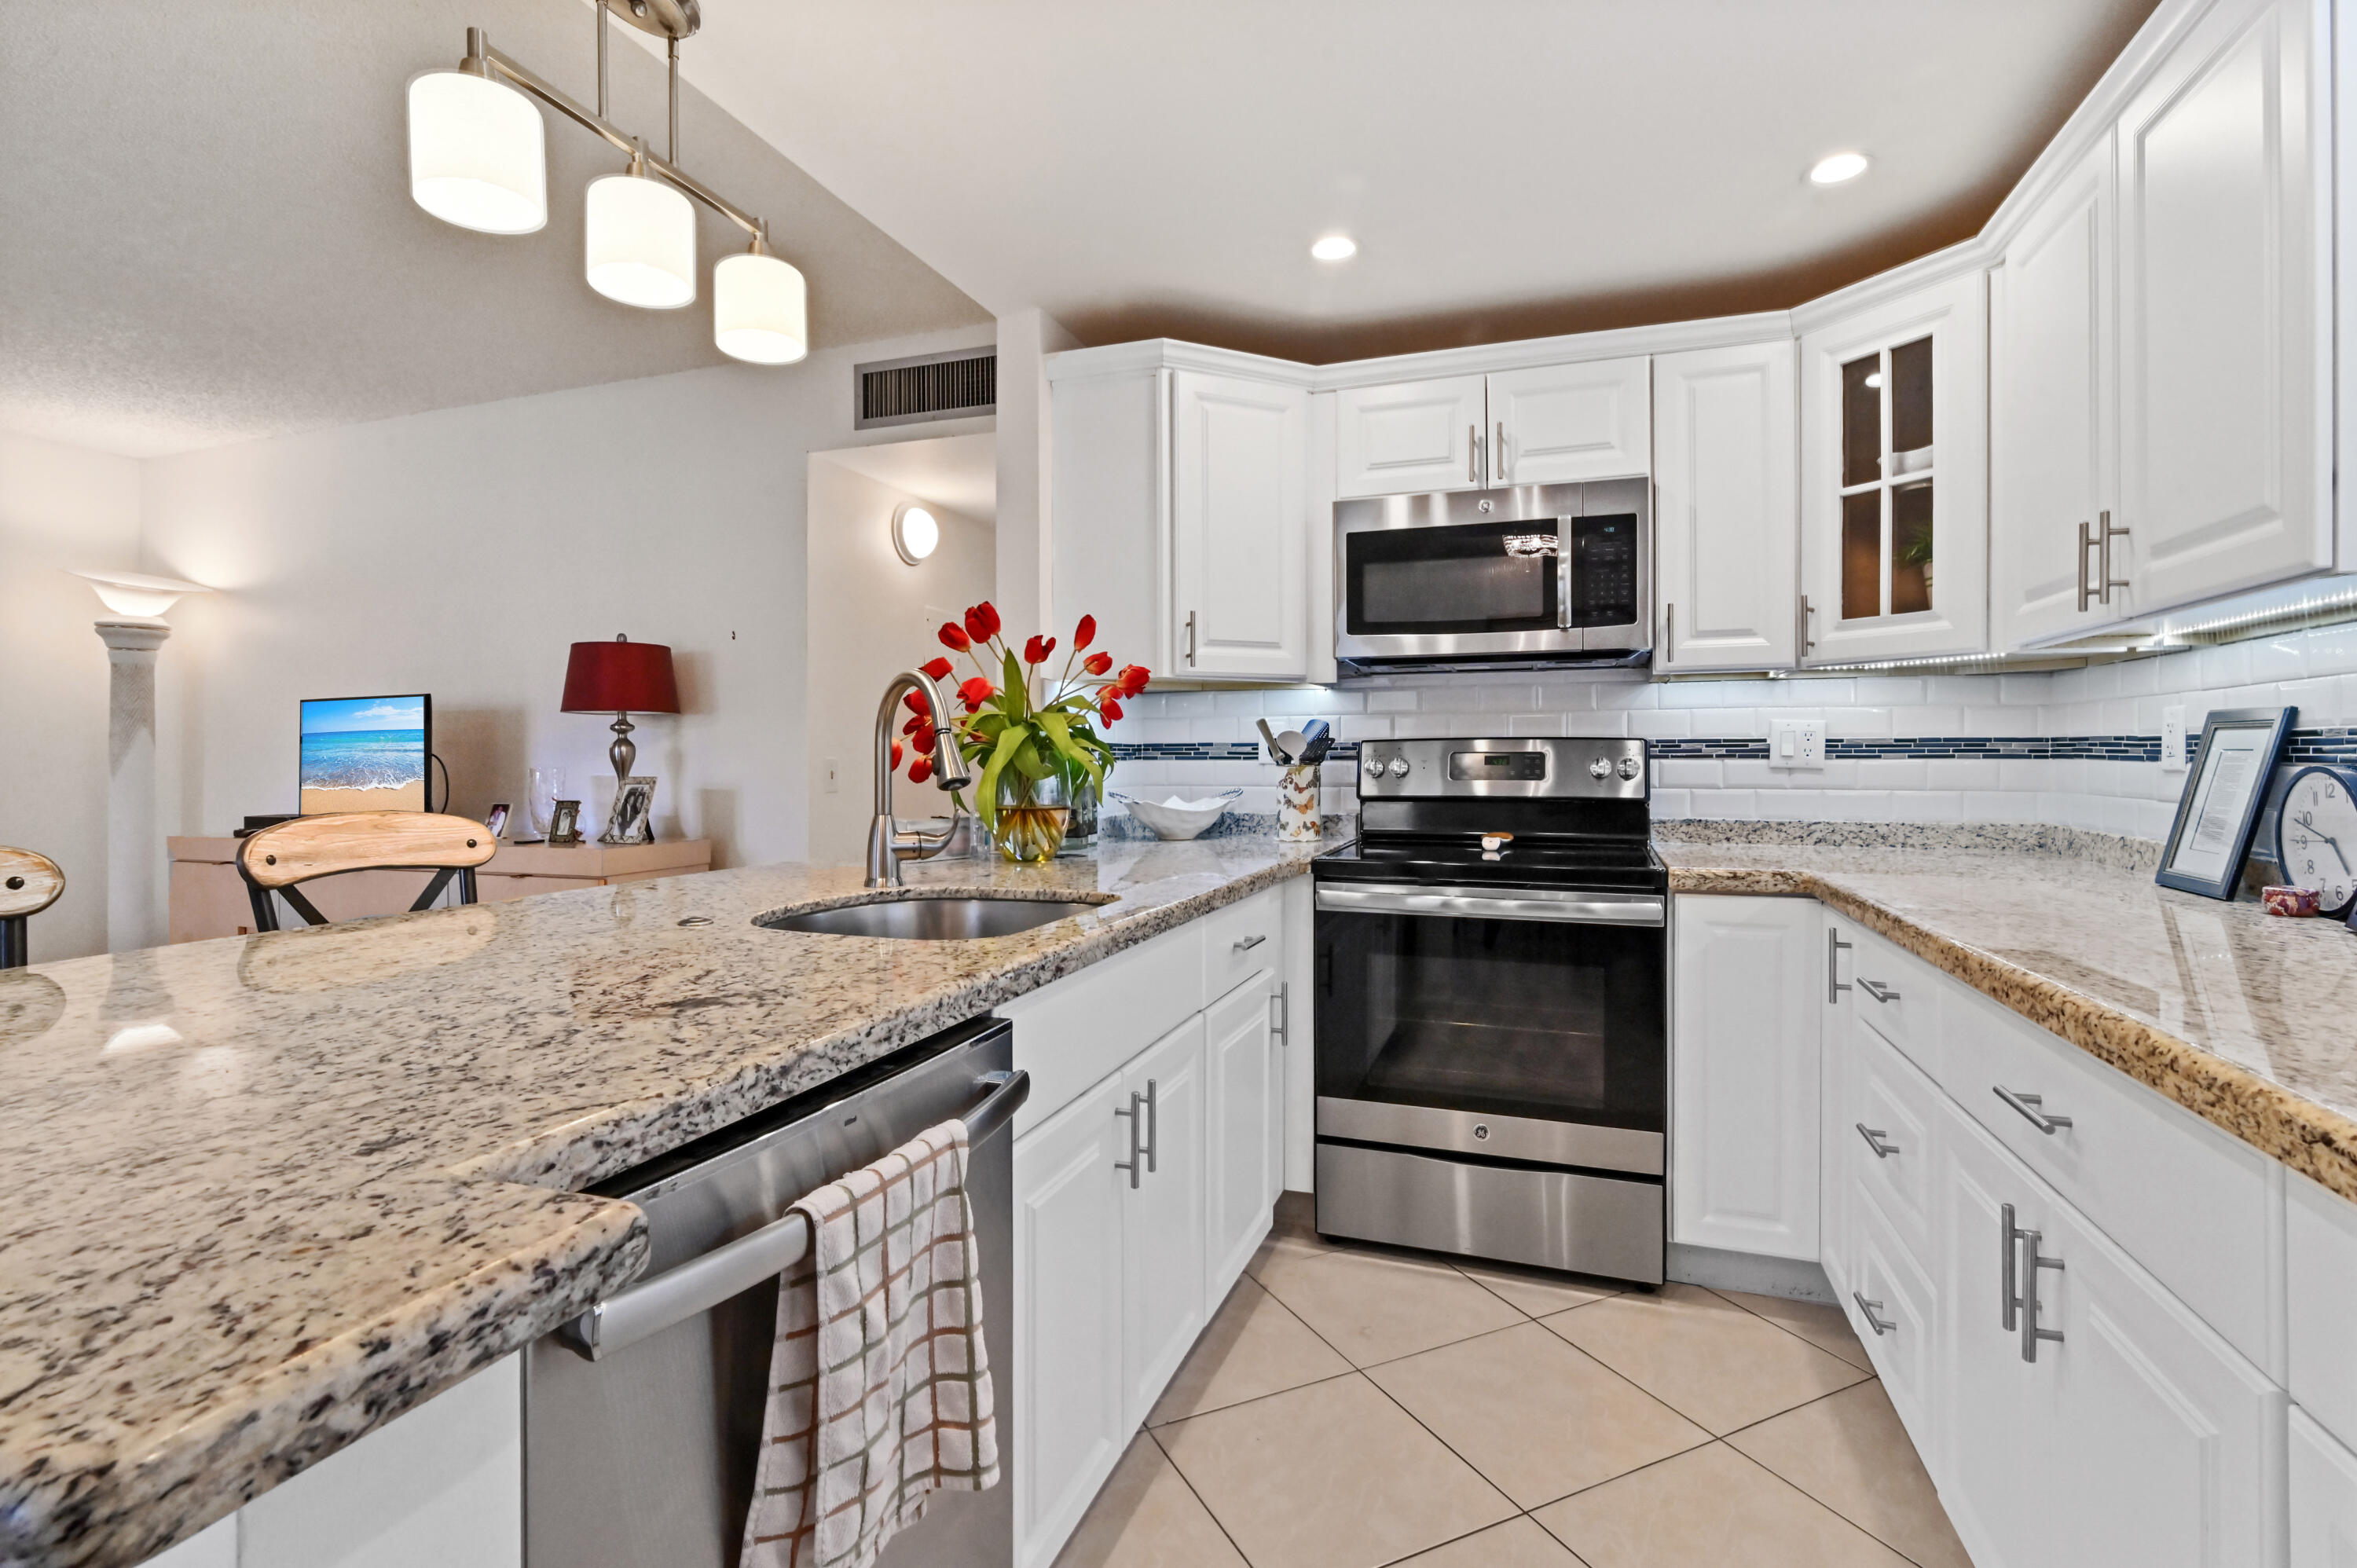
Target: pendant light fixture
<point x="639" y="235"/>
<point x="759" y="310"/>
<point x="476" y="160"/>
<point x="476" y="153"/>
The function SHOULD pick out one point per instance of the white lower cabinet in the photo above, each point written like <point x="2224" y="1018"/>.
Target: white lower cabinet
<point x="1246" y="1156"/>
<point x="1744" y="1074"/>
<point x="1163" y="1238"/>
<point x="2323" y="1496"/>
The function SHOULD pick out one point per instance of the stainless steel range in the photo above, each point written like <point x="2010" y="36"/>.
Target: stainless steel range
<point x="1492" y="971"/>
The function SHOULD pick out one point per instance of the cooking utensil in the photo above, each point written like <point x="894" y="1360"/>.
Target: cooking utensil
<point x="1318" y="740"/>
<point x="1274" y="748"/>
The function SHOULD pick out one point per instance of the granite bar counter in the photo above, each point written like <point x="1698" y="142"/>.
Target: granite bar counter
<point x="2238" y="1015"/>
<point x="267" y="1193"/>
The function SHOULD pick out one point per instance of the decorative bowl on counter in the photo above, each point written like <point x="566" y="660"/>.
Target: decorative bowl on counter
<point x="1178" y="819"/>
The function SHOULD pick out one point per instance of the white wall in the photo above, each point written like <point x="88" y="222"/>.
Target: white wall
<point x="872" y="615"/>
<point x="61" y="507"/>
<point x="461" y="552"/>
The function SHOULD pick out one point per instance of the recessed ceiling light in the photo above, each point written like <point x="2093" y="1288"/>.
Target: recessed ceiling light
<point x="1335" y="248"/>
<point x="1838" y="169"/>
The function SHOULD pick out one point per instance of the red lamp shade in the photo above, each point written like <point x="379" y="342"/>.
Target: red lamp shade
<point x="620" y="677"/>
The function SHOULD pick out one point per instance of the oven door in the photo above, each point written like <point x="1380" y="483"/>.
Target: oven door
<point x="1516" y="1025"/>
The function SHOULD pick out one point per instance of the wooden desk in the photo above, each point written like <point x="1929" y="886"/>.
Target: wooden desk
<point x="209" y="897"/>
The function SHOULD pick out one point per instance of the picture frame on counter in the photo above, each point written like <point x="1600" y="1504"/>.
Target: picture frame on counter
<point x="2218" y="812"/>
<point x="564" y="824"/>
<point x="632" y="818"/>
<point x="495" y="819"/>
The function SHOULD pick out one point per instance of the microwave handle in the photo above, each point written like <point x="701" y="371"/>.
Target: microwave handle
<point x="1563" y="573"/>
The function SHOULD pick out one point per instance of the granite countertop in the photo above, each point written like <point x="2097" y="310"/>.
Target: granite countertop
<point x="2238" y="1015"/>
<point x="266" y="1192"/>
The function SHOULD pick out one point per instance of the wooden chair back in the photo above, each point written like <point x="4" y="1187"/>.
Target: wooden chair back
<point x="30" y="883"/>
<point x="277" y="858"/>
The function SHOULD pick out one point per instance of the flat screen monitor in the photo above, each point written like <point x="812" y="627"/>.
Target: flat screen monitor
<point x="366" y="754"/>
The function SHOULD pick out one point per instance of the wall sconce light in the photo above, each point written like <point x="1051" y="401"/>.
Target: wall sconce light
<point x="915" y="532"/>
<point x="138" y="597"/>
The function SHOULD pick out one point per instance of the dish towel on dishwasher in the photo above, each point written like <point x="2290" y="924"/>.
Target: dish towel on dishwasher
<point x="879" y="1388"/>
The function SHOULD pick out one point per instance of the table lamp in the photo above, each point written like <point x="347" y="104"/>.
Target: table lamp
<point x="620" y="677"/>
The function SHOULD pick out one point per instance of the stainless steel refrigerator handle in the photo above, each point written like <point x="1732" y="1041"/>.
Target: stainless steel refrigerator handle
<point x="1478" y="904"/>
<point x="701" y="1283"/>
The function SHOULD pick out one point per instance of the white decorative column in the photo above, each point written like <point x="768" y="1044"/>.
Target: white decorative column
<point x="134" y="851"/>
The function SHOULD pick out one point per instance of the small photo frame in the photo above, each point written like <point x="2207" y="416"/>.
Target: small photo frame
<point x="632" y="819"/>
<point x="2225" y="790"/>
<point x="497" y="821"/>
<point x="564" y="824"/>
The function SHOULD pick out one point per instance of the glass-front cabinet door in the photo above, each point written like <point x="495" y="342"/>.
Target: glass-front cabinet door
<point x="1894" y="479"/>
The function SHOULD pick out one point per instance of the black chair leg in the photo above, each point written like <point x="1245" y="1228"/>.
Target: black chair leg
<point x="13" y="953"/>
<point x="265" y="913"/>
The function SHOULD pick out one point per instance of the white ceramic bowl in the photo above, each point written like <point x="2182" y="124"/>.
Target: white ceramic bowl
<point x="1180" y="821"/>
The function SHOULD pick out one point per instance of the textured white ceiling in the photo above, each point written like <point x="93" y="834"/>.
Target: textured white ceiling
<point x="959" y="472"/>
<point x="1510" y="168"/>
<point x="206" y="232"/>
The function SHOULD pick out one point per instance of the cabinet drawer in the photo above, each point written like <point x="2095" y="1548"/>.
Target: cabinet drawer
<point x="1887" y="1131"/>
<point x="1897" y="993"/>
<point x="2203" y="1212"/>
<point x="1240" y="940"/>
<point x="1072" y="1033"/>
<point x="1890" y="1304"/>
<point x="2320" y="1265"/>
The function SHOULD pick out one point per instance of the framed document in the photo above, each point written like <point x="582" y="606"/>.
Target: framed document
<point x="2220" y="809"/>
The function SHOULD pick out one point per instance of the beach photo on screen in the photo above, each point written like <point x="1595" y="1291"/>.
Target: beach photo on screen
<point x="364" y="754"/>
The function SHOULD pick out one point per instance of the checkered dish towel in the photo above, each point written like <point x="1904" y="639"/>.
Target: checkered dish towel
<point x="879" y="1389"/>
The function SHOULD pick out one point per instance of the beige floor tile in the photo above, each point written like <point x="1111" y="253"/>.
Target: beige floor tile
<point x="1285" y="1244"/>
<point x="1517" y="1544"/>
<point x="1704" y="1358"/>
<point x="1538" y="1418"/>
<point x="1251" y="1346"/>
<point x="1850" y="1452"/>
<point x="1330" y="1476"/>
<point x="1374" y="1306"/>
<point x="1822" y="1326"/>
<point x="1536" y="1291"/>
<point x="1710" y="1507"/>
<point x="1148" y="1516"/>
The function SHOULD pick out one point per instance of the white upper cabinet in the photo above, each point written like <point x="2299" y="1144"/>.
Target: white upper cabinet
<point x="1239" y="528"/>
<point x="1559" y="423"/>
<point x="1727" y="516"/>
<point x="1894" y="478"/>
<point x="1589" y="420"/>
<point x="2225" y="305"/>
<point x="2053" y="437"/>
<point x="1410" y="437"/>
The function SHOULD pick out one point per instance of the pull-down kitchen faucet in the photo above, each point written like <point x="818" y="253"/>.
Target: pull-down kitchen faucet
<point x="887" y="846"/>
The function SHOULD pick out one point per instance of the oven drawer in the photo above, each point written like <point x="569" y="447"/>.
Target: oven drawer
<point x="1553" y="1220"/>
<point x="1496" y="1137"/>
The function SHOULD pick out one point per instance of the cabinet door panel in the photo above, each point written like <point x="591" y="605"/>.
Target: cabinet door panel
<point x="1244" y="1138"/>
<point x="1888" y="1133"/>
<point x="1410" y="436"/>
<point x="1744" y="1074"/>
<point x="2052" y="438"/>
<point x="1726" y="520"/>
<point x="1069" y="1427"/>
<point x="2323" y="1498"/>
<point x="1239" y="451"/>
<point x="2225" y="404"/>
<point x="1899" y="1336"/>
<point x="1164" y="1245"/>
<point x="1559" y="423"/>
<point x="1837" y="1075"/>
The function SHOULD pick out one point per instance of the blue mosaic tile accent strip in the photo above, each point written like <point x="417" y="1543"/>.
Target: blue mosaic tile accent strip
<point x="2323" y="745"/>
<point x="2307" y="745"/>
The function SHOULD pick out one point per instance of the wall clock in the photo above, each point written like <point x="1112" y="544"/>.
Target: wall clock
<point x="2316" y="835"/>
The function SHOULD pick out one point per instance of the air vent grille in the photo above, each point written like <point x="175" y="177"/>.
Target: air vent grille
<point x="958" y="385"/>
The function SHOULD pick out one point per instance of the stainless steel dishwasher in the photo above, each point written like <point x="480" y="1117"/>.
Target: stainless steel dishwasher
<point x="643" y="1416"/>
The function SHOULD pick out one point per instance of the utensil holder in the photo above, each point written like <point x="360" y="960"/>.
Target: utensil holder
<point x="1297" y="804"/>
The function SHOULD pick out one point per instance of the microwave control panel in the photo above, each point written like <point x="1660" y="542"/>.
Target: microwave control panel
<point x="1604" y="570"/>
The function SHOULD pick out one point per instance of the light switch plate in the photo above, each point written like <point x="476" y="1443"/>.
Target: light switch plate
<point x="1796" y="743"/>
<point x="2172" y="740"/>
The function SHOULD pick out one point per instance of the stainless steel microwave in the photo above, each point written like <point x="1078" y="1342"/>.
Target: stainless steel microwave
<point x="1537" y="575"/>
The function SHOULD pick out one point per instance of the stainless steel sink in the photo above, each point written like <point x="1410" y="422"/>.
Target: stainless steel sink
<point x="925" y="919"/>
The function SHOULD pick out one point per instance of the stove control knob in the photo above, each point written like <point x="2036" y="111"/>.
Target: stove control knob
<point x="1373" y="765"/>
<point x="1629" y="766"/>
<point x="1399" y="766"/>
<point x="1599" y="769"/>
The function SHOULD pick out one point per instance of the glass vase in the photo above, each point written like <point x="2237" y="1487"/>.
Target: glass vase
<point x="1032" y="812"/>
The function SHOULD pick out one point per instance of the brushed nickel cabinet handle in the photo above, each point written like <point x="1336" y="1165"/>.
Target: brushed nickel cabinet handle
<point x="1153" y="1127"/>
<point x="1472" y="454"/>
<point x="2110" y="582"/>
<point x="1248" y="943"/>
<point x="1875" y="1137"/>
<point x="1835" y="948"/>
<point x="1879" y="1325"/>
<point x="2031" y="1108"/>
<point x="1874" y="989"/>
<point x="2086" y="589"/>
<point x="1132" y="1164"/>
<point x="1191" y="637"/>
<point x="1497" y="455"/>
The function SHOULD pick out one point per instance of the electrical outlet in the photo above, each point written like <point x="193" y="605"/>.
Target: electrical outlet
<point x="2172" y="740"/>
<point x="1796" y="743"/>
<point x="833" y="783"/>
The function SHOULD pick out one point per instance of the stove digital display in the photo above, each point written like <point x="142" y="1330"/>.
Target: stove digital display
<point x="1472" y="766"/>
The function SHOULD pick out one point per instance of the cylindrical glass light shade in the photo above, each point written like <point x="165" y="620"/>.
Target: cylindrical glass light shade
<point x="759" y="309"/>
<point x="476" y="154"/>
<point x="642" y="242"/>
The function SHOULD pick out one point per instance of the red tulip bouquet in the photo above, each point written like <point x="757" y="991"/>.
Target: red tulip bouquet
<point x="1025" y="736"/>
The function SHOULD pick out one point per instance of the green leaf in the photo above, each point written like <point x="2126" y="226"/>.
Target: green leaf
<point x="985" y="789"/>
<point x="1017" y="688"/>
<point x="1058" y="729"/>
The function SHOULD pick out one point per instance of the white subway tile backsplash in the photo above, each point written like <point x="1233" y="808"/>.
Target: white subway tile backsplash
<point x="1615" y="724"/>
<point x="1656" y="723"/>
<point x="1886" y="692"/>
<point x="2277" y="659"/>
<point x="1391" y="701"/>
<point x="1961" y="773"/>
<point x="1691" y="772"/>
